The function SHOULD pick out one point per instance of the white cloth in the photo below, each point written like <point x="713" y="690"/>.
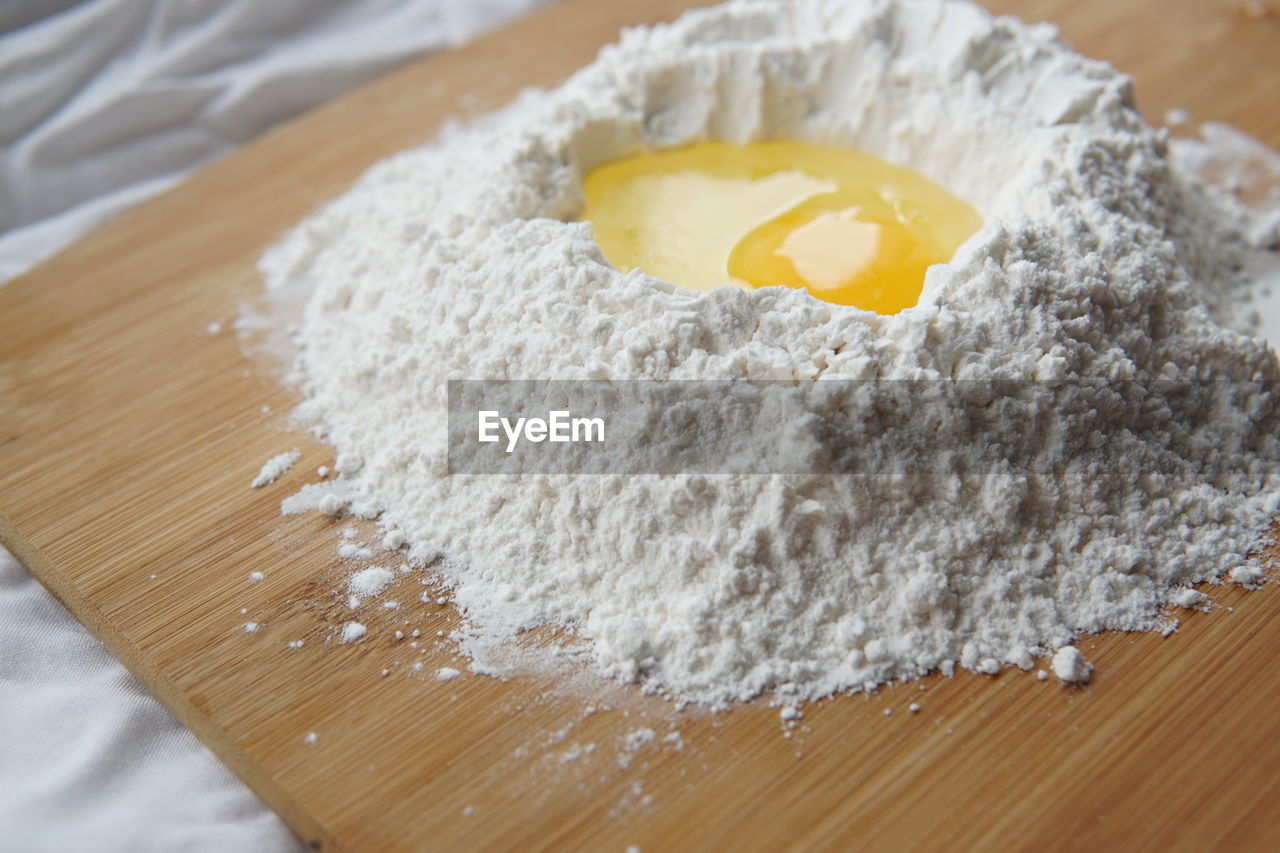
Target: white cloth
<point x="90" y="761"/>
<point x="113" y="100"/>
<point x="102" y="104"/>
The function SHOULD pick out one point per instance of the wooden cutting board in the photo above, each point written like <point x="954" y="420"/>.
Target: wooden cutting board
<point x="129" y="434"/>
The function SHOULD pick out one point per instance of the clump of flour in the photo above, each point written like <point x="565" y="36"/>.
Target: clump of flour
<point x="1100" y="258"/>
<point x="371" y="581"/>
<point x="1070" y="665"/>
<point x="274" y="468"/>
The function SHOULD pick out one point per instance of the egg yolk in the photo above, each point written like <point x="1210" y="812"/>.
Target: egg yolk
<point x="846" y="226"/>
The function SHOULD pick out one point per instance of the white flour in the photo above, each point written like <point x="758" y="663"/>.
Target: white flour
<point x="274" y="468"/>
<point x="1099" y="258"/>
<point x="1070" y="665"/>
<point x="371" y="581"/>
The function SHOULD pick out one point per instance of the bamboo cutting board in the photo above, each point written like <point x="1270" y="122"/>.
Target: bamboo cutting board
<point x="129" y="434"/>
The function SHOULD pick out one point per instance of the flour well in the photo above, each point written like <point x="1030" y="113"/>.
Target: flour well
<point x="1100" y="259"/>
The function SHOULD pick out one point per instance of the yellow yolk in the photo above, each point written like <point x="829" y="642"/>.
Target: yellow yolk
<point x="844" y="225"/>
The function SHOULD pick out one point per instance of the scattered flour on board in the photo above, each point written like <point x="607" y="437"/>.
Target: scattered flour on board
<point x="371" y="581"/>
<point x="638" y="738"/>
<point x="1190" y="599"/>
<point x="351" y="551"/>
<point x="577" y="751"/>
<point x="1070" y="665"/>
<point x="1103" y="257"/>
<point x="274" y="468"/>
<point x="1249" y="575"/>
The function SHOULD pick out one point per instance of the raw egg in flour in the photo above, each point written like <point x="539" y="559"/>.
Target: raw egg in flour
<point x="846" y="226"/>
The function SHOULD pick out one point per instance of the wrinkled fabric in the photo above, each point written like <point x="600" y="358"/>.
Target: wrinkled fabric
<point x="103" y="104"/>
<point x="111" y="101"/>
<point x="90" y="761"/>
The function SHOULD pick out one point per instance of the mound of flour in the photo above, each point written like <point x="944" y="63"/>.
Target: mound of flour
<point x="1099" y="258"/>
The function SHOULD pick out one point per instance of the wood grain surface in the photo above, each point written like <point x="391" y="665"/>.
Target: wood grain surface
<point x="129" y="434"/>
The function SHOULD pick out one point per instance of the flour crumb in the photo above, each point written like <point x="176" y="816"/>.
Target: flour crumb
<point x="353" y="631"/>
<point x="370" y="582"/>
<point x="1070" y="666"/>
<point x="1248" y="575"/>
<point x="332" y="505"/>
<point x="638" y="738"/>
<point x="251" y="627"/>
<point x="447" y="673"/>
<point x="1177" y="117"/>
<point x="274" y="468"/>
<point x="352" y="551"/>
<point x="256" y="577"/>
<point x="577" y="751"/>
<point x="310" y="739"/>
<point x="1191" y="599"/>
<point x="914" y="707"/>
<point x="1042" y="675"/>
<point x="632" y="742"/>
<point x="296" y="644"/>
